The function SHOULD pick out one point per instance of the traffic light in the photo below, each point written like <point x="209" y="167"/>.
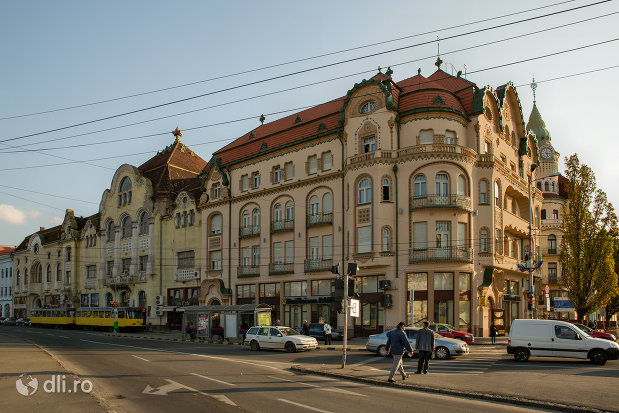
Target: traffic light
<point x="335" y="269"/>
<point x="530" y="305"/>
<point x="339" y="305"/>
<point x="352" y="285"/>
<point x="386" y="300"/>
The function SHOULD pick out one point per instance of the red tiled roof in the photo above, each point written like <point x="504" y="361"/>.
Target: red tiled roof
<point x="412" y="93"/>
<point x="6" y="250"/>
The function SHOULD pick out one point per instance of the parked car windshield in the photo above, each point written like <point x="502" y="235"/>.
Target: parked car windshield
<point x="287" y="331"/>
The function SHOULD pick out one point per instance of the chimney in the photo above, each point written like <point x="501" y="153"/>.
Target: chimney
<point x="41" y="228"/>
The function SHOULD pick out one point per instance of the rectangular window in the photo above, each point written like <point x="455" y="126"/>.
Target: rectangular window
<point x="277" y="174"/>
<point x="327" y="161"/>
<point x="289" y="171"/>
<point x="312" y="165"/>
<point x="461" y="235"/>
<point x="255" y="255"/>
<point x="552" y="273"/>
<point x="244" y="183"/>
<point x="369" y="144"/>
<point x="450" y="137"/>
<point x="215" y="260"/>
<point x="216" y="191"/>
<point x="289" y="246"/>
<point x="143" y="261"/>
<point x="322" y="287"/>
<point x="426" y="137"/>
<point x="125" y="264"/>
<point x="246" y="291"/>
<point x="487" y="146"/>
<point x="464" y="307"/>
<point x="364" y="216"/>
<point x="245" y="257"/>
<point x="543" y="214"/>
<point x="327" y="247"/>
<point x="420" y="235"/>
<point x="269" y="290"/>
<point x="555" y="214"/>
<point x="364" y="240"/>
<point x="313" y="252"/>
<point x="418" y="281"/>
<point x="185" y="259"/>
<point x="109" y="268"/>
<point x="464" y="281"/>
<point x="443" y="281"/>
<point x="386" y="189"/>
<point x="277" y="252"/>
<point x="256" y="180"/>
<point x="295" y="289"/>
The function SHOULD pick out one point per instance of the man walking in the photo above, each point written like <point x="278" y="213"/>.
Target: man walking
<point x="327" y="331"/>
<point x="396" y="343"/>
<point x="424" y="344"/>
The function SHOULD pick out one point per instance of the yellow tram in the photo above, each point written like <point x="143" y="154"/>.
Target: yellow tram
<point x="94" y="317"/>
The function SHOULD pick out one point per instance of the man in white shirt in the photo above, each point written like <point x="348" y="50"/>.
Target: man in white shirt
<point x="327" y="331"/>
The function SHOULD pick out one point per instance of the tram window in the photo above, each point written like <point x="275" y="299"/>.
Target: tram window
<point x="87" y="314"/>
<point x="121" y="314"/>
<point x="63" y="314"/>
<point x="108" y="314"/>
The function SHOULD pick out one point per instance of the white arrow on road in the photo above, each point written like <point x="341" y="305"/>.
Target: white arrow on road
<point x="163" y="390"/>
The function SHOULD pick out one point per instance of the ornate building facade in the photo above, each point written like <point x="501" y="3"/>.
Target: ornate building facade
<point x="422" y="183"/>
<point x="6" y="281"/>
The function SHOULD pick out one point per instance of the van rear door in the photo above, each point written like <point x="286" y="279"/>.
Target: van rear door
<point x="537" y="337"/>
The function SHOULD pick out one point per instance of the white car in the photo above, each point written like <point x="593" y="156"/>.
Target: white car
<point x="278" y="337"/>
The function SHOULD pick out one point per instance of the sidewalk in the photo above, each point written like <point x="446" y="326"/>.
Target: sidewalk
<point x="586" y="390"/>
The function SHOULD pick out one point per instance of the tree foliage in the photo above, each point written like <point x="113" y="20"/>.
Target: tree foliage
<point x="612" y="307"/>
<point x="587" y="245"/>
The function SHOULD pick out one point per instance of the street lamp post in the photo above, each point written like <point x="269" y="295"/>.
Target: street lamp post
<point x="530" y="258"/>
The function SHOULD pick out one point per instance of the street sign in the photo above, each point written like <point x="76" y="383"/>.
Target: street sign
<point x="547" y="301"/>
<point x="547" y="289"/>
<point x="355" y="310"/>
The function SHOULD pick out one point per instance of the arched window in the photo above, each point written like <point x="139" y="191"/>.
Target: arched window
<point x="546" y="187"/>
<point x="125" y="184"/>
<point x="124" y="191"/>
<point x="48" y="275"/>
<point x="420" y="186"/>
<point x="144" y="223"/>
<point x="26" y="276"/>
<point x="109" y="229"/>
<point x="552" y="186"/>
<point x="142" y="299"/>
<point x="442" y="184"/>
<point x="37" y="273"/>
<point x="552" y="244"/>
<point x="386" y="240"/>
<point x="192" y="217"/>
<point x="277" y="213"/>
<point x="126" y="227"/>
<point x="483" y="241"/>
<point x="58" y="272"/>
<point x="483" y="192"/>
<point x="124" y="299"/>
<point x="497" y="194"/>
<point x="314" y="207"/>
<point x="327" y="203"/>
<point x="108" y="299"/>
<point x="256" y="219"/>
<point x="461" y="186"/>
<point x="365" y="191"/>
<point x="386" y="194"/>
<point x="368" y="107"/>
<point x="216" y="224"/>
<point x="18" y="277"/>
<point x="539" y="186"/>
<point x="289" y="211"/>
<point x="245" y="219"/>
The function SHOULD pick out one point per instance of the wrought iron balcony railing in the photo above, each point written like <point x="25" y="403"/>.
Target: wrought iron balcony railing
<point x="320" y="218"/>
<point x="251" y="231"/>
<point x="317" y="264"/>
<point x="441" y="201"/>
<point x="448" y="254"/>
<point x="281" y="226"/>
<point x="281" y="268"/>
<point x="243" y="271"/>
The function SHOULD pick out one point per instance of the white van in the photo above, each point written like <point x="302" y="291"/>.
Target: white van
<point x="550" y="338"/>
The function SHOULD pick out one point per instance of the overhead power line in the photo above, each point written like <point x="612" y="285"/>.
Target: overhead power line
<point x="284" y="63"/>
<point x="303" y="71"/>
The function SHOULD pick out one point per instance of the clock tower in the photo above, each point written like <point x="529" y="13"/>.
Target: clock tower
<point x="548" y="157"/>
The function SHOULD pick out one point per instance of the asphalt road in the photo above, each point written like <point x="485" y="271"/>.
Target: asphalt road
<point x="133" y="375"/>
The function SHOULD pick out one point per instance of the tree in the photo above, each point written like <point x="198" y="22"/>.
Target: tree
<point x="587" y="245"/>
<point x="612" y="307"/>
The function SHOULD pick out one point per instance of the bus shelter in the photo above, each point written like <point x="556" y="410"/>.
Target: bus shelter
<point x="224" y="321"/>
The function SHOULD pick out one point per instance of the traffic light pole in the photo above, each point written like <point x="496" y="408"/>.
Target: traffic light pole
<point x="344" y="344"/>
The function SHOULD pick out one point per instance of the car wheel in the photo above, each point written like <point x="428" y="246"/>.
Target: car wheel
<point x="254" y="345"/>
<point x="382" y="351"/>
<point x="441" y="353"/>
<point x="521" y="354"/>
<point x="599" y="357"/>
<point x="290" y="347"/>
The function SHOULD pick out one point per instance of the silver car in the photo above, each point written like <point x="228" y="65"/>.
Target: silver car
<point x="444" y="347"/>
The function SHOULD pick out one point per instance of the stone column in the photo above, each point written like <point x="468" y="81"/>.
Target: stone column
<point x="102" y="254"/>
<point x="134" y="249"/>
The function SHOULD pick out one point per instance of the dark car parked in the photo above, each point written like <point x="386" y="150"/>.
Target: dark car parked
<point x="316" y="330"/>
<point x="9" y="322"/>
<point x="25" y="322"/>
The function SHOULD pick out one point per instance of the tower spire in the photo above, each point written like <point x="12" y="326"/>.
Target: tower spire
<point x="533" y="86"/>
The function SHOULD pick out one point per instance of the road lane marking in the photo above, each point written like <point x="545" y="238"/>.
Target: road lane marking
<point x="219" y="397"/>
<point x="304" y="406"/>
<point x="64" y="336"/>
<point x="361" y="363"/>
<point x="212" y="379"/>
<point x="331" y="389"/>
<point x="138" y="357"/>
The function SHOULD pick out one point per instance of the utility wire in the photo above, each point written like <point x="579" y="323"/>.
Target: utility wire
<point x="43" y="193"/>
<point x="303" y="71"/>
<point x="282" y="64"/>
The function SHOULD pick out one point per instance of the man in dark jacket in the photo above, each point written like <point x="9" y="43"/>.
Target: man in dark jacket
<point x="396" y="343"/>
<point x="424" y="343"/>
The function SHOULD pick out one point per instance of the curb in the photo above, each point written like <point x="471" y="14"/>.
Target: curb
<point x="494" y="397"/>
<point x="230" y="343"/>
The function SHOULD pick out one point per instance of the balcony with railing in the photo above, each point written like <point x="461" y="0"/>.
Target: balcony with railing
<point x="552" y="251"/>
<point x="186" y="274"/>
<point x="318" y="264"/>
<point x="243" y="271"/>
<point x="441" y="201"/>
<point x="282" y="226"/>
<point x="120" y="280"/>
<point x="440" y="254"/>
<point x="281" y="268"/>
<point x="554" y="279"/>
<point x="320" y="218"/>
<point x="251" y="231"/>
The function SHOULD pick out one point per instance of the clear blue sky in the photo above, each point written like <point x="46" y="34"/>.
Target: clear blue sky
<point x="60" y="54"/>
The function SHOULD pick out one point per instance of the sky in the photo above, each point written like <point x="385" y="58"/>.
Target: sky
<point x="127" y="61"/>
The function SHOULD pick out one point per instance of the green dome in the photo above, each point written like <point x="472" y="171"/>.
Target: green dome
<point x="537" y="125"/>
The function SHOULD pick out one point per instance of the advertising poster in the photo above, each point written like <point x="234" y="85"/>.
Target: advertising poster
<point x="264" y="318"/>
<point x="203" y="325"/>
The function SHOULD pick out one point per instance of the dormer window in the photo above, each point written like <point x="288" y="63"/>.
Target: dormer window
<point x="367" y="107"/>
<point x="369" y="144"/>
<point x="216" y="191"/>
<point x="124" y="191"/>
<point x="36" y="248"/>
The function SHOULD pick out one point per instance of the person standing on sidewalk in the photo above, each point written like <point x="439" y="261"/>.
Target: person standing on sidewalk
<point x="424" y="344"/>
<point x="493" y="333"/>
<point x="305" y="329"/>
<point x="396" y="343"/>
<point x="327" y="331"/>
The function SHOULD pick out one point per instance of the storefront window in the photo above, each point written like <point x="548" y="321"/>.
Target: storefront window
<point x="514" y="287"/>
<point x="294" y="315"/>
<point x="418" y="281"/>
<point x="321" y="287"/>
<point x="443" y="281"/>
<point x="420" y="312"/>
<point x="322" y="313"/>
<point x="295" y="289"/>
<point x="464" y="319"/>
<point x="372" y="317"/>
<point x="464" y="281"/>
<point x="370" y="284"/>
<point x="443" y="311"/>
